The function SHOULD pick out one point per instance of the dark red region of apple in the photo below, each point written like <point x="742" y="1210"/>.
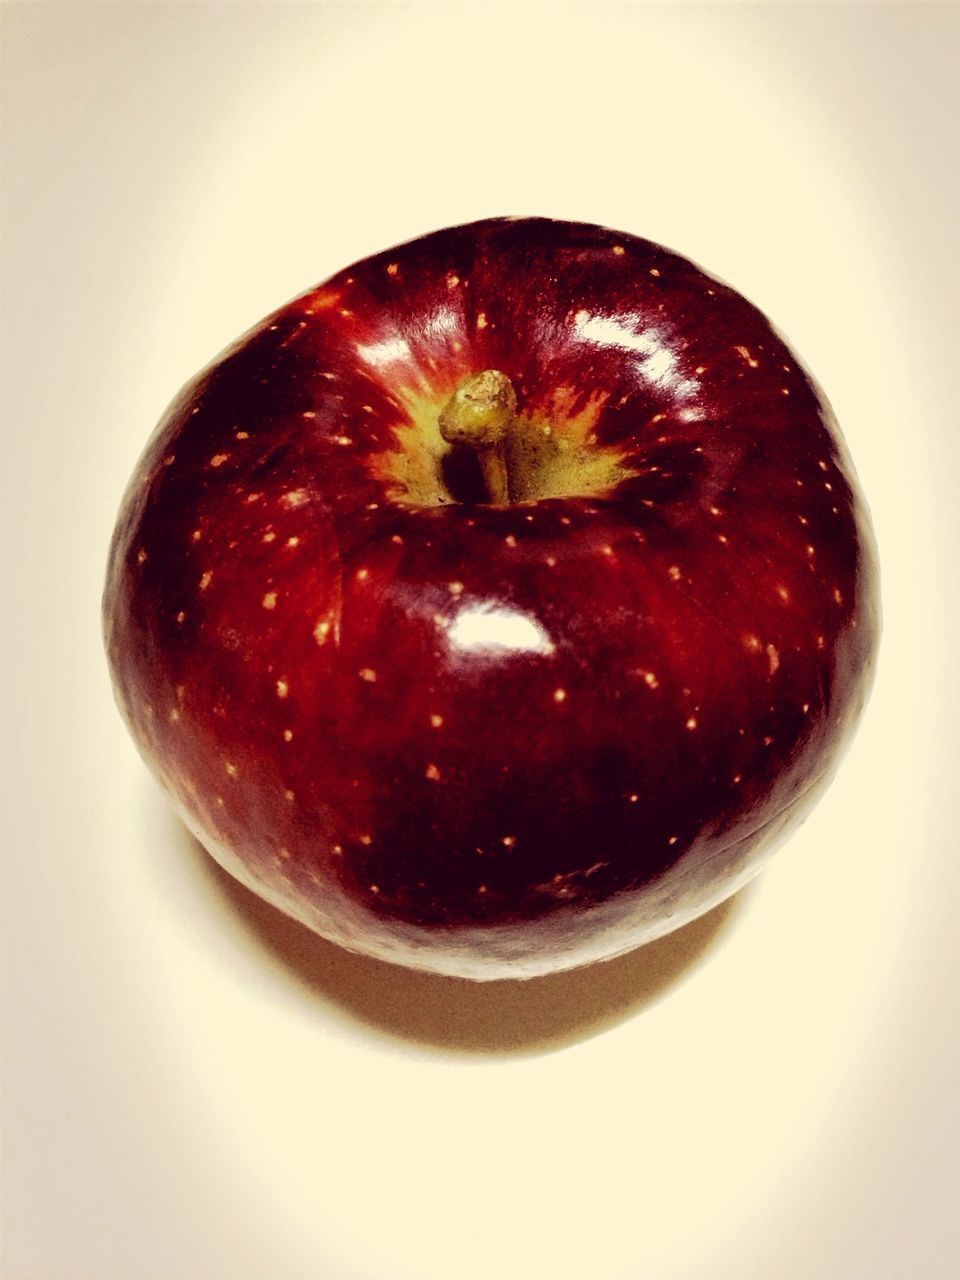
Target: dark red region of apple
<point x="496" y="739"/>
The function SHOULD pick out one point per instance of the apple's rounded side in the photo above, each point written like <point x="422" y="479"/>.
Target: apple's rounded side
<point x="496" y="741"/>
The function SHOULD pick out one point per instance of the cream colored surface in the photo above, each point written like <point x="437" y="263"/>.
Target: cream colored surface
<point x="194" y="1088"/>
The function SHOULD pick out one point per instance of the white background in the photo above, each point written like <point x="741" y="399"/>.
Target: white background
<point x="195" y="1089"/>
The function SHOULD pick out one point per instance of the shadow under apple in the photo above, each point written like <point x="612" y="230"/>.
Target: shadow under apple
<point x="455" y="1015"/>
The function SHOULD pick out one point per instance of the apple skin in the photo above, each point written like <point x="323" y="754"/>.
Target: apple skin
<point x="496" y="741"/>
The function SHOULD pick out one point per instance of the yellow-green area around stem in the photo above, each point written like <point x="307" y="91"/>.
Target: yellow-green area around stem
<point x="551" y="451"/>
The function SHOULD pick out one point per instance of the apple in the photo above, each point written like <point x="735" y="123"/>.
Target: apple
<point x="494" y="607"/>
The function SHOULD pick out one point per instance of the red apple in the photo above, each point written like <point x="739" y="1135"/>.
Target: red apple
<point x="526" y="691"/>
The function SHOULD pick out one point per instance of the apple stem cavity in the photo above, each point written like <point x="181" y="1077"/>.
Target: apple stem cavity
<point x="479" y="414"/>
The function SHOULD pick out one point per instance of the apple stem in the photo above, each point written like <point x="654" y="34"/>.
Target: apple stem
<point x="479" y="414"/>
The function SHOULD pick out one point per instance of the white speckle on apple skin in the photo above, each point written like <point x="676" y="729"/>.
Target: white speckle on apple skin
<point x="282" y="688"/>
<point x="269" y="601"/>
